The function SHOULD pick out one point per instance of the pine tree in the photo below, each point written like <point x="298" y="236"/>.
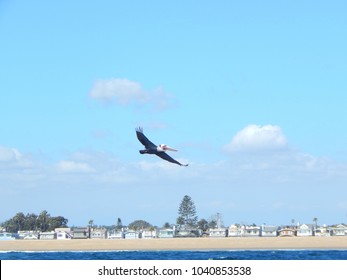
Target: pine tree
<point x="187" y="213"/>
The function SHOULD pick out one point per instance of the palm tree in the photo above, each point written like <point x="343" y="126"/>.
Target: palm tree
<point x="43" y="221"/>
<point x="315" y="220"/>
<point x="90" y="223"/>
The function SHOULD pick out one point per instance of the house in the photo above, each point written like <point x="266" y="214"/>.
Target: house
<point x="338" y="230"/>
<point x="250" y="231"/>
<point x="234" y="231"/>
<point x="322" y="231"/>
<point x="166" y="233"/>
<point x="131" y="234"/>
<point x="218" y="232"/>
<point x="269" y="231"/>
<point x="287" y="231"/>
<point x="116" y="235"/>
<point x="48" y="235"/>
<point x="98" y="233"/>
<point x="305" y="230"/>
<point x="187" y="232"/>
<point x="146" y="234"/>
<point x="6" y="236"/>
<point x="63" y="233"/>
<point x="29" y="234"/>
<point x="80" y="233"/>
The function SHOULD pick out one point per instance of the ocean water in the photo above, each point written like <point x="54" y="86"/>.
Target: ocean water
<point x="180" y="255"/>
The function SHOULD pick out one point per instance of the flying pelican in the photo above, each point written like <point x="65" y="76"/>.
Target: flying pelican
<point x="154" y="149"/>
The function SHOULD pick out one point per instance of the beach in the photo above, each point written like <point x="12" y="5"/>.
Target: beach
<point x="228" y="243"/>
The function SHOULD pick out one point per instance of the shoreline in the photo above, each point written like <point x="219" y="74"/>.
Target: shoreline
<point x="178" y="244"/>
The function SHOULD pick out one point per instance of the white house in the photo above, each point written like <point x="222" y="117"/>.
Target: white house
<point x="31" y="236"/>
<point x="166" y="233"/>
<point x="116" y="234"/>
<point x="234" y="231"/>
<point x="305" y="230"/>
<point x="322" y="231"/>
<point x="269" y="231"/>
<point x="48" y="235"/>
<point x="28" y="234"/>
<point x="218" y="232"/>
<point x="98" y="233"/>
<point x="131" y="234"/>
<point x="338" y="230"/>
<point x="250" y="231"/>
<point x="63" y="233"/>
<point x="187" y="232"/>
<point x="147" y="234"/>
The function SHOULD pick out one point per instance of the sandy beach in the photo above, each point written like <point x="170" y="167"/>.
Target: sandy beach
<point x="237" y="243"/>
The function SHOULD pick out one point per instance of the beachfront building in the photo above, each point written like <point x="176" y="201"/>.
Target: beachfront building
<point x="287" y="231"/>
<point x="50" y="235"/>
<point x="250" y="231"/>
<point x="322" y="231"/>
<point x="28" y="234"/>
<point x="7" y="236"/>
<point x="218" y="232"/>
<point x="63" y="233"/>
<point x="269" y="231"/>
<point x="116" y="234"/>
<point x="131" y="234"/>
<point x="166" y="233"/>
<point x="98" y="233"/>
<point x="147" y="234"/>
<point x="305" y="230"/>
<point x="234" y="231"/>
<point x="187" y="232"/>
<point x="80" y="233"/>
<point x="31" y="236"/>
<point x="338" y="230"/>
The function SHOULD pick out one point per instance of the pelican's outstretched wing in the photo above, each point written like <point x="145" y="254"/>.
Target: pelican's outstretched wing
<point x="143" y="139"/>
<point x="165" y="156"/>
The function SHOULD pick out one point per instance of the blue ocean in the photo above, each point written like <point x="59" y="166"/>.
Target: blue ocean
<point x="180" y="255"/>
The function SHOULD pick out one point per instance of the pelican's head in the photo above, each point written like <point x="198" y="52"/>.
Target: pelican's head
<point x="164" y="147"/>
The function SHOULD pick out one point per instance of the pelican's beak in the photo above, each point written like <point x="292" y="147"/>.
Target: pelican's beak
<point x="167" y="148"/>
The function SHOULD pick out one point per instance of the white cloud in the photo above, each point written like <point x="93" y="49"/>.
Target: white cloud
<point x="9" y="154"/>
<point x="274" y="180"/>
<point x="74" y="167"/>
<point x="256" y="138"/>
<point x="125" y="92"/>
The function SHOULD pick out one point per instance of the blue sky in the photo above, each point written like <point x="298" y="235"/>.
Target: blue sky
<point x="252" y="94"/>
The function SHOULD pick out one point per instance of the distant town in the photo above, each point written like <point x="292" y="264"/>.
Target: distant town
<point x="44" y="226"/>
<point x="234" y="230"/>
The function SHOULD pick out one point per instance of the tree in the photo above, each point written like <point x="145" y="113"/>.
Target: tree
<point x="43" y="221"/>
<point x="167" y="225"/>
<point x="91" y="223"/>
<point x="203" y="224"/>
<point x="16" y="223"/>
<point x="19" y="221"/>
<point x="212" y="224"/>
<point x="31" y="222"/>
<point x="139" y="224"/>
<point x="187" y="212"/>
<point x="119" y="224"/>
<point x="315" y="220"/>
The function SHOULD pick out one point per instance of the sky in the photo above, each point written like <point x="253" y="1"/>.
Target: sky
<point x="251" y="93"/>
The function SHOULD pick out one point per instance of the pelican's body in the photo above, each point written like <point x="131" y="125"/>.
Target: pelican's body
<point x="153" y="149"/>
